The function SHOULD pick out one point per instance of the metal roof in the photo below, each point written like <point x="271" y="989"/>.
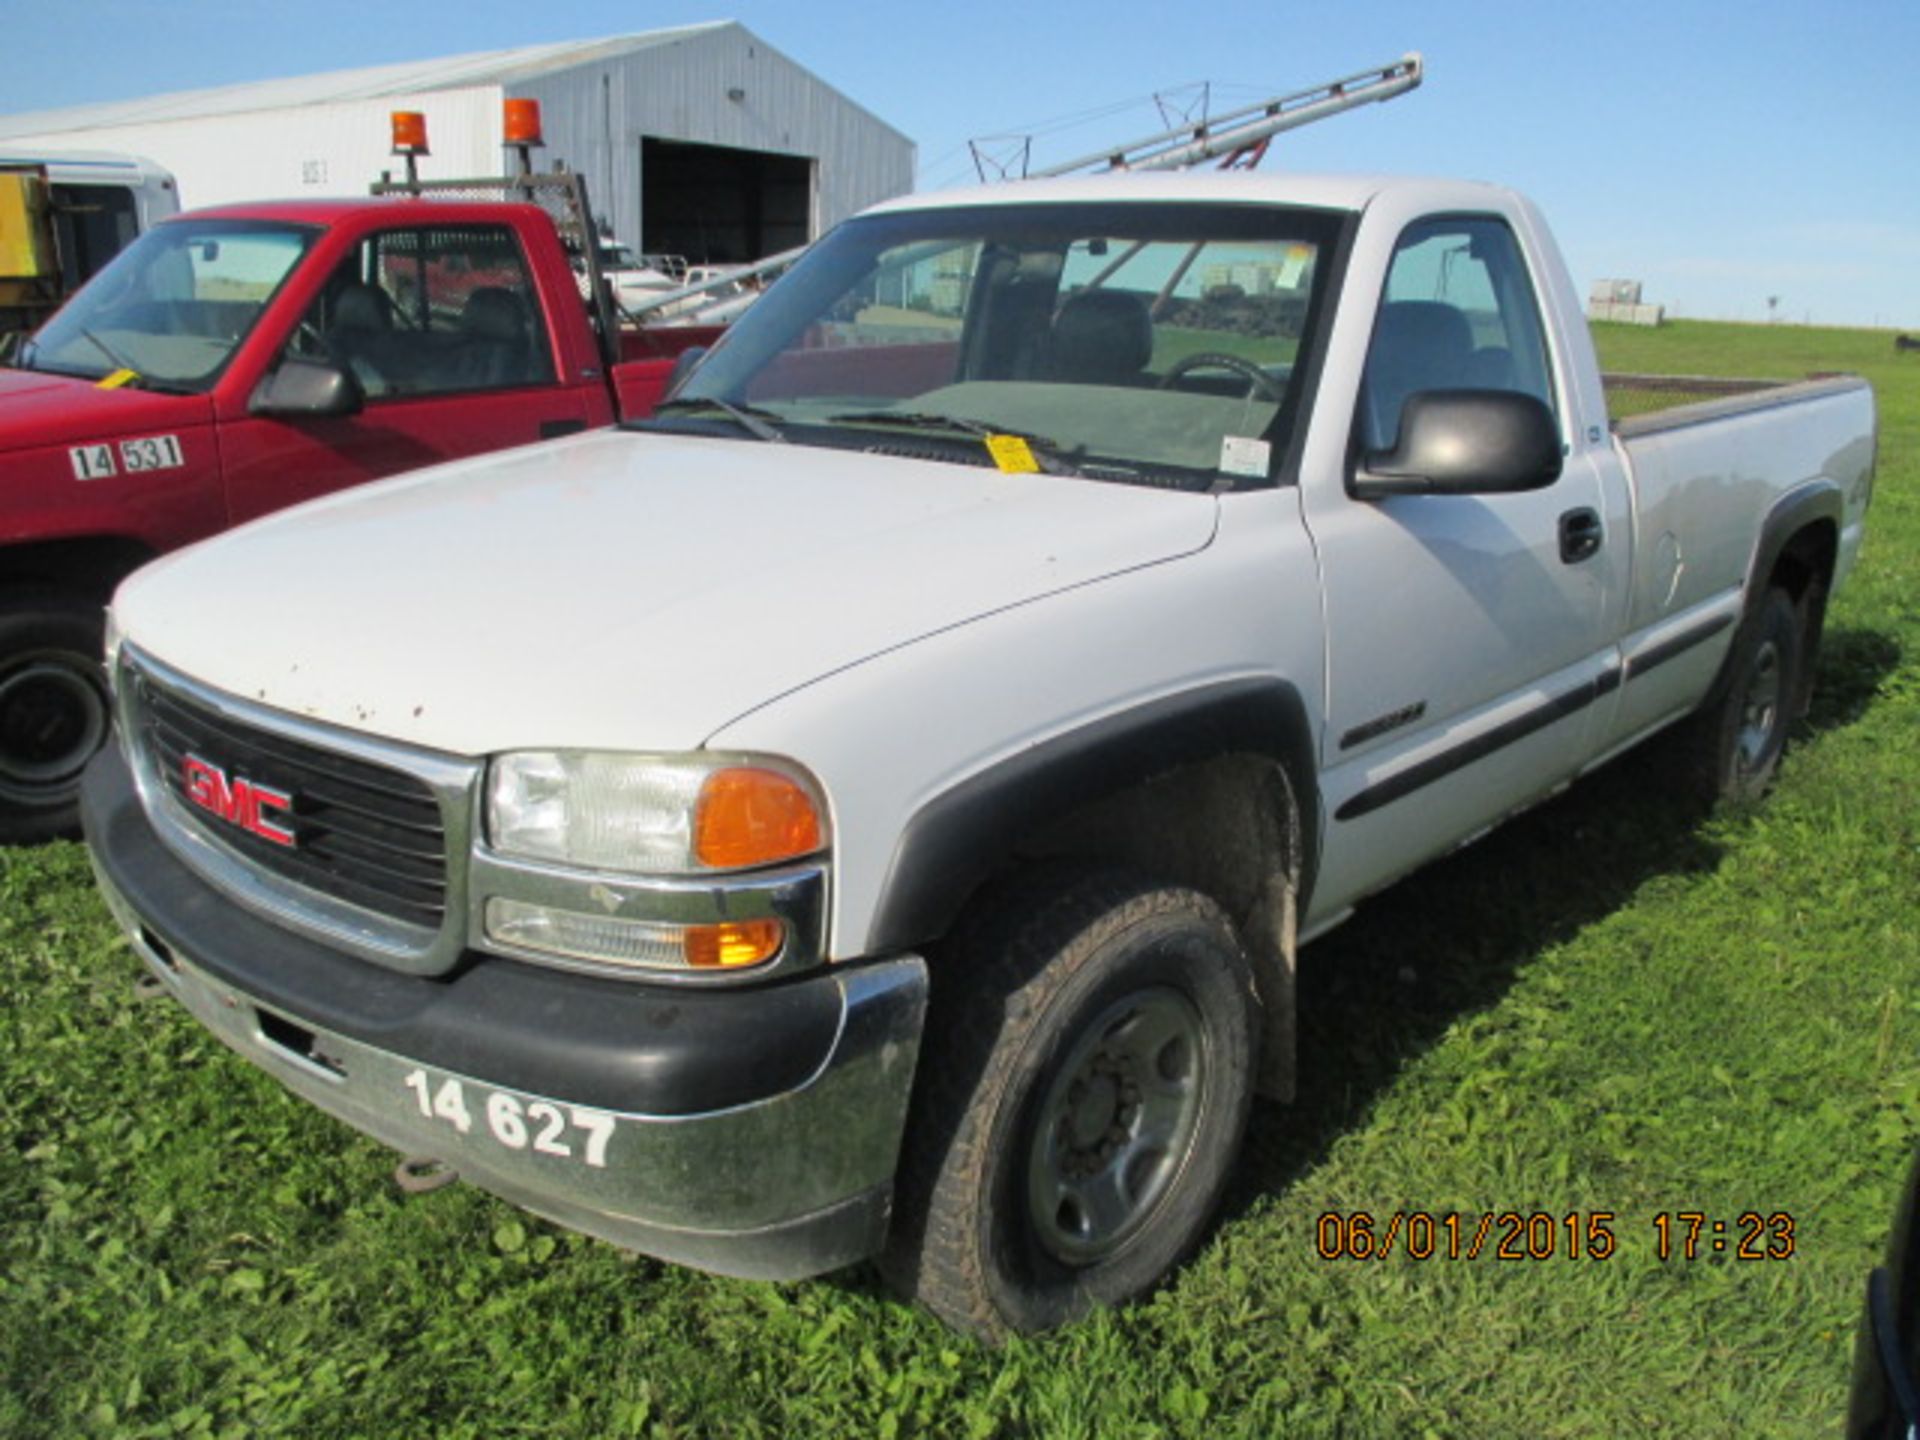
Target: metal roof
<point x="486" y="67"/>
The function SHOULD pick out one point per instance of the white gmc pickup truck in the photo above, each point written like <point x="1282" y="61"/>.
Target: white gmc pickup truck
<point x="871" y="808"/>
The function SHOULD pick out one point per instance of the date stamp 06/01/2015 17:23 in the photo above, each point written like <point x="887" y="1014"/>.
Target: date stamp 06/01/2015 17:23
<point x="1544" y="1235"/>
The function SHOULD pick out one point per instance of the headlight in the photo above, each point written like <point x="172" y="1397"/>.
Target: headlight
<point x="657" y="816"/>
<point x="652" y="814"/>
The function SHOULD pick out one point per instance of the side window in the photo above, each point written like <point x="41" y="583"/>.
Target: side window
<point x="1459" y="314"/>
<point x="95" y="222"/>
<point x="430" y="312"/>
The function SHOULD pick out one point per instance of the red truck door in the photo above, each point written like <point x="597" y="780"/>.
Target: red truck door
<point x="443" y="329"/>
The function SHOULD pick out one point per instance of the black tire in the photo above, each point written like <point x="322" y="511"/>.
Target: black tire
<point x="1085" y="1081"/>
<point x="1737" y="737"/>
<point x="54" y="713"/>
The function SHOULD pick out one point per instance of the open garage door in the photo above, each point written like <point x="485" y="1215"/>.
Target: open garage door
<point x="720" y="206"/>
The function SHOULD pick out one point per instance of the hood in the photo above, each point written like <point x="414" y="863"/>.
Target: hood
<point x="621" y="590"/>
<point x="39" y="408"/>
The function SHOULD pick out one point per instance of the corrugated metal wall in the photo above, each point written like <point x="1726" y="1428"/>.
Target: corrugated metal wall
<point x="307" y="152"/>
<point x="596" y="114"/>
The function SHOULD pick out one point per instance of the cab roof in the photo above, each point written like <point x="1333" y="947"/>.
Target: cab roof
<point x="334" y="211"/>
<point x="1322" y="192"/>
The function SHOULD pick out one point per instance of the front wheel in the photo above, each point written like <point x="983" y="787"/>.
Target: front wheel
<point x="54" y="714"/>
<point x="1086" y="1081"/>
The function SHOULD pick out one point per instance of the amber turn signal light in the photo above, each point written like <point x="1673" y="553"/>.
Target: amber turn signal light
<point x="732" y="945"/>
<point x="751" y="816"/>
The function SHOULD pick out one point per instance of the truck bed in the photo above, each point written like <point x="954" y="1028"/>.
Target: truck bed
<point x="1638" y="404"/>
<point x="1746" y="445"/>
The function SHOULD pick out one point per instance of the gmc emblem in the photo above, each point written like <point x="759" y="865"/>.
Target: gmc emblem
<point x="238" y="802"/>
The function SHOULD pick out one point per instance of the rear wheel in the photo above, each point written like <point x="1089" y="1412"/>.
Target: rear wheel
<point x="1086" y="1079"/>
<point x="54" y="714"/>
<point x="1738" y="736"/>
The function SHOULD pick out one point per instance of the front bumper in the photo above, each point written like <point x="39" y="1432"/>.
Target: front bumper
<point x="751" y="1132"/>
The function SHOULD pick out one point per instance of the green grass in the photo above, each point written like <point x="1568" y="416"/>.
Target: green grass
<point x="1613" y="1004"/>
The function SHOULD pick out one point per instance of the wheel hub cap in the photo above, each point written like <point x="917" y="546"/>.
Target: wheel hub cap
<point x="1116" y="1125"/>
<point x="1759" y="709"/>
<point x="52" y="719"/>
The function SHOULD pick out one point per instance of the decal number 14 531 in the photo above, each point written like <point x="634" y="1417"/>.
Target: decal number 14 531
<point x="151" y="452"/>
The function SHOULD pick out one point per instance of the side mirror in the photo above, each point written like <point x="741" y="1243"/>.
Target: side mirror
<point x="307" y="390"/>
<point x="1464" y="442"/>
<point x="683" y="365"/>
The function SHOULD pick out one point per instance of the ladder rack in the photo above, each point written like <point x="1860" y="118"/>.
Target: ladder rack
<point x="1239" y="134"/>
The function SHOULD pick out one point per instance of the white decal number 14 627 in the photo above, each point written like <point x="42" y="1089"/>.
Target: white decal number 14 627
<point x="568" y="1132"/>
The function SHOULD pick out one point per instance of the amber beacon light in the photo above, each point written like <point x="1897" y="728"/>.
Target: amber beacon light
<point x="409" y="139"/>
<point x="520" y="130"/>
<point x="521" y="123"/>
<point x="409" y="133"/>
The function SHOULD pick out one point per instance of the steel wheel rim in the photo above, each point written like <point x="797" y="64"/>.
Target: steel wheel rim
<point x="1116" y="1125"/>
<point x="1759" y="709"/>
<point x="53" y="717"/>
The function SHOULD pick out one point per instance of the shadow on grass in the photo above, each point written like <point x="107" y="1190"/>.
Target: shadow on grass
<point x="1852" y="665"/>
<point x="1449" y="940"/>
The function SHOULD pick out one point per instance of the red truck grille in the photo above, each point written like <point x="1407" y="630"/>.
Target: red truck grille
<point x="361" y="833"/>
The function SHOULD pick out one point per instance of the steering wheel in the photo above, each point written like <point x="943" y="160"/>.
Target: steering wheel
<point x="1260" y="385"/>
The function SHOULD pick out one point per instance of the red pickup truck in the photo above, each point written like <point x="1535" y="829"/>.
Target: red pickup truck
<point x="237" y="360"/>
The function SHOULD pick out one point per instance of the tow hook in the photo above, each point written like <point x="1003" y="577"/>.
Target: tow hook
<point x="420" y="1174"/>
<point x="148" y="986"/>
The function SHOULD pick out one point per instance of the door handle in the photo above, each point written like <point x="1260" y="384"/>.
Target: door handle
<point x="1580" y="535"/>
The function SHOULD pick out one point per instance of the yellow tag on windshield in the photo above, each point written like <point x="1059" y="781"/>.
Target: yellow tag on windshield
<point x="1013" y="455"/>
<point x="117" y="379"/>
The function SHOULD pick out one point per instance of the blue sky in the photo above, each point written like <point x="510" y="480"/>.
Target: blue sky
<point x="1720" y="153"/>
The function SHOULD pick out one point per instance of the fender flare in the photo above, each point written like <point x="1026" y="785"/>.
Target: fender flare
<point x="1804" y="505"/>
<point x="954" y="841"/>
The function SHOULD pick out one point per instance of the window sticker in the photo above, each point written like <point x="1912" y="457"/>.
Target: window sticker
<point x="1243" y="456"/>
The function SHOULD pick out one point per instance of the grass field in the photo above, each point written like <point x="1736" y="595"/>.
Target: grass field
<point x="1613" y="1005"/>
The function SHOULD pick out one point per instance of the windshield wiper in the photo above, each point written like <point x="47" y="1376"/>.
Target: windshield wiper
<point x="750" y="418"/>
<point x="116" y="360"/>
<point x="1044" y="447"/>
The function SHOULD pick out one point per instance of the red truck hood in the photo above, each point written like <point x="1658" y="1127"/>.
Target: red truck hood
<point x="37" y="408"/>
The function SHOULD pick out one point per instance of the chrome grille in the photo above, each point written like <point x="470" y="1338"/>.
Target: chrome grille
<point x="380" y="830"/>
<point x="362" y="833"/>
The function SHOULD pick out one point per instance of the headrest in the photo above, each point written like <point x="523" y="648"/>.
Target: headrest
<point x="362" y="307"/>
<point x="494" y="313"/>
<point x="1436" y="332"/>
<point x="1102" y="336"/>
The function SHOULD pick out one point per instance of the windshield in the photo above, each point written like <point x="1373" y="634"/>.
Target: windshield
<point x="1158" y="343"/>
<point x="173" y="306"/>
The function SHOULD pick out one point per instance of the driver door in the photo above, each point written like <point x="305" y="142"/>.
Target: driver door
<point x="1466" y="642"/>
<point x="445" y="334"/>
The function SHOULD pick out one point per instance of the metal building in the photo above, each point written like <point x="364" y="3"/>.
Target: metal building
<point x="702" y="141"/>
